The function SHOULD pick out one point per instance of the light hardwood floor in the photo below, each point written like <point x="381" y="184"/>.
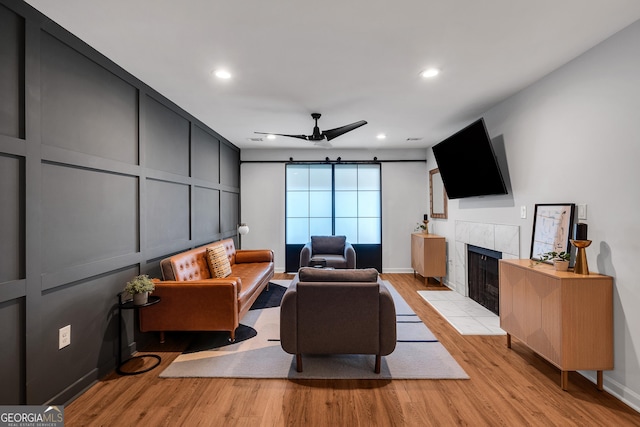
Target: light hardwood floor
<point x="507" y="388"/>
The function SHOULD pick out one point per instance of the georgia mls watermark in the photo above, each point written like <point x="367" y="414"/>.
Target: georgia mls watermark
<point x="31" y="416"/>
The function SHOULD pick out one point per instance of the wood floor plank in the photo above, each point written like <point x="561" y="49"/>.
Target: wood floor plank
<point x="508" y="387"/>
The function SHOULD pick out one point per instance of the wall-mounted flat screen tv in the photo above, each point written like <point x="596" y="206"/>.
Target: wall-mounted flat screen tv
<point x="468" y="164"/>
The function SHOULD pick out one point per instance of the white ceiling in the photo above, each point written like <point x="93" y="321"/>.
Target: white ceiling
<point x="347" y="59"/>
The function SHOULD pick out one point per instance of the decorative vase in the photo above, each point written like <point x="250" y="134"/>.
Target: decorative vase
<point x="141" y="298"/>
<point x="561" y="265"/>
<point x="581" y="266"/>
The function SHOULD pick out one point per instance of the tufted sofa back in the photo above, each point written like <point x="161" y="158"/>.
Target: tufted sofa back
<point x="192" y="264"/>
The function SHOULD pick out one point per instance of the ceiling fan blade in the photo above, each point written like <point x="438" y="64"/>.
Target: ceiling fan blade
<point x="305" y="137"/>
<point x="334" y="133"/>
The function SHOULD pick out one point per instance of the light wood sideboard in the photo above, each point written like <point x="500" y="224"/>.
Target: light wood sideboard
<point x="429" y="256"/>
<point x="566" y="318"/>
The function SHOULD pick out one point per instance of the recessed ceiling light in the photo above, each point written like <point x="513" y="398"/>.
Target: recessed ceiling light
<point x="271" y="136"/>
<point x="222" y="74"/>
<point x="430" y="72"/>
<point x="381" y="136"/>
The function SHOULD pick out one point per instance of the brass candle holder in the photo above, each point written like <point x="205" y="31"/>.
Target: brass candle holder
<point x="581" y="266"/>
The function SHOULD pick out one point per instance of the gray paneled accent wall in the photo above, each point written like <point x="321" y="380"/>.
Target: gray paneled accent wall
<point x="86" y="108"/>
<point x="11" y="73"/>
<point x="167" y="139"/>
<point x="100" y="178"/>
<point x="11" y="218"/>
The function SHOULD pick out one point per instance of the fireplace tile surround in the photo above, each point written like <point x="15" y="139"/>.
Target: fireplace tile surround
<point x="498" y="237"/>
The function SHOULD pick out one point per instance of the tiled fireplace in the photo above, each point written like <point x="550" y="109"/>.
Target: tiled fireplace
<point x="496" y="237"/>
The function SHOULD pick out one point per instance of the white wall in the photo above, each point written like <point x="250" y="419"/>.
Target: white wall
<point x="574" y="136"/>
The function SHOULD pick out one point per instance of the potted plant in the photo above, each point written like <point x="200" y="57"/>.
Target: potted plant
<point x="560" y="259"/>
<point x="139" y="287"/>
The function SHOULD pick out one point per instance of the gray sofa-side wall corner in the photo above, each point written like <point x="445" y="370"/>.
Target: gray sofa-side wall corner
<point x="100" y="178"/>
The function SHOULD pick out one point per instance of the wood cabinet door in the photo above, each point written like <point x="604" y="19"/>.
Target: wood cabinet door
<point x="417" y="254"/>
<point x="545" y="329"/>
<point x="512" y="290"/>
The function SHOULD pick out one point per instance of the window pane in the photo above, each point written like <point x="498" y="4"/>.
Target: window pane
<point x="320" y="204"/>
<point x="346" y="177"/>
<point x="368" y="177"/>
<point x="297" y="177"/>
<point x="368" y="204"/>
<point x="369" y="230"/>
<point x="346" y="203"/>
<point x="319" y="227"/>
<point x="297" y="204"/>
<point x="347" y="227"/>
<point x="320" y="177"/>
<point x="311" y="193"/>
<point x="297" y="230"/>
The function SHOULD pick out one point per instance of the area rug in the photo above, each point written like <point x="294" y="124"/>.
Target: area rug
<point x="418" y="354"/>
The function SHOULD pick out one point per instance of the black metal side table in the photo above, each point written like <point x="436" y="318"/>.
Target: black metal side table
<point x="129" y="305"/>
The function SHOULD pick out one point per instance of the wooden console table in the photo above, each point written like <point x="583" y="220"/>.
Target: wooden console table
<point x="429" y="256"/>
<point x="566" y="318"/>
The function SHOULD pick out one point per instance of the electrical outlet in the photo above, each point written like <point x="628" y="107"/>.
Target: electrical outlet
<point x="582" y="211"/>
<point x="64" y="337"/>
<point x="523" y="211"/>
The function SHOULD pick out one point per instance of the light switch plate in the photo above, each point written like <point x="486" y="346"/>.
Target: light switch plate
<point x="582" y="211"/>
<point x="523" y="211"/>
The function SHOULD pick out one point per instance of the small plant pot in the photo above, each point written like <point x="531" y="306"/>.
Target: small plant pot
<point x="561" y="265"/>
<point x="141" y="298"/>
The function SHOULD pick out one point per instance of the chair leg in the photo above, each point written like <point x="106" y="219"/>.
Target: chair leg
<point x="378" y="363"/>
<point x="161" y="337"/>
<point x="299" y="362"/>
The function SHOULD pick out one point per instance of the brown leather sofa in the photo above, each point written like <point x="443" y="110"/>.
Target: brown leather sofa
<point x="337" y="312"/>
<point x="192" y="300"/>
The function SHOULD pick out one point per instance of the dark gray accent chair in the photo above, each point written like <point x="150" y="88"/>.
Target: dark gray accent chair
<point x="337" y="312"/>
<point x="336" y="251"/>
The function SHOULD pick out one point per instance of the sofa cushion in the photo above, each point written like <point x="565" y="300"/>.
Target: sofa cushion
<point x="328" y="244"/>
<point x="310" y="274"/>
<point x="218" y="261"/>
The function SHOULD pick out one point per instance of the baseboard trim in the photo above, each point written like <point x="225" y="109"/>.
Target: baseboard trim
<point x="614" y="388"/>
<point x="73" y="391"/>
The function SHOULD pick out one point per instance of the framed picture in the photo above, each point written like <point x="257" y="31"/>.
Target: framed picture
<point x="437" y="195"/>
<point x="552" y="225"/>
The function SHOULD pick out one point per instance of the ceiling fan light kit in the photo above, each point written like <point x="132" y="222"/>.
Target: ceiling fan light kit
<point x="322" y="138"/>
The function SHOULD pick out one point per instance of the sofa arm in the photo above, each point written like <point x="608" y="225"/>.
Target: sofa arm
<point x="198" y="292"/>
<point x="254" y="255"/>
<point x="305" y="255"/>
<point x="388" y="332"/>
<point x="350" y="255"/>
<point x="193" y="305"/>
<point x="289" y="320"/>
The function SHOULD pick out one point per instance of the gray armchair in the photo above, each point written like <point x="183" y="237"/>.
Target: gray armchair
<point x="337" y="312"/>
<point x="335" y="250"/>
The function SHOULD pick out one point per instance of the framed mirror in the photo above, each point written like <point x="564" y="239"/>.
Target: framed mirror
<point x="437" y="195"/>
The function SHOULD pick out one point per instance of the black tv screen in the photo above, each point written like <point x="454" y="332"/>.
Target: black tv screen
<point x="468" y="164"/>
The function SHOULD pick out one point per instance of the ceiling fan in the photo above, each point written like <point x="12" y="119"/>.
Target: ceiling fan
<point x="322" y="138"/>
